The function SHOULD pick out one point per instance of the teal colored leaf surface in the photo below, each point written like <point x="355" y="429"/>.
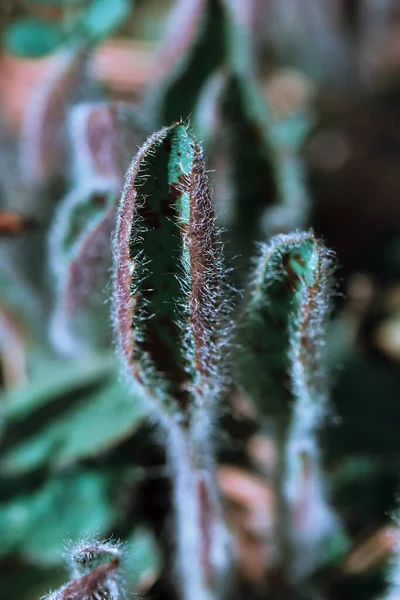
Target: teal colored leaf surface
<point x="32" y="38"/>
<point x="103" y="17"/>
<point x="37" y="525"/>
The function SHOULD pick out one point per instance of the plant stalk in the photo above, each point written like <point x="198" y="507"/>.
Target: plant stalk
<point x="202" y="556"/>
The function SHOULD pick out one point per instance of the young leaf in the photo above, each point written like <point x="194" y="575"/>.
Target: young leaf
<point x="283" y="325"/>
<point x="168" y="305"/>
<point x="192" y="49"/>
<point x="282" y="370"/>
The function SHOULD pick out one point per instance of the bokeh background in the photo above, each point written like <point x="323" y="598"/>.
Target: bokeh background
<point x="76" y="456"/>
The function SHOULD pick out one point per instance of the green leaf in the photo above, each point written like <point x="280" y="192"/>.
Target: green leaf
<point x="29" y="455"/>
<point x="98" y="422"/>
<point x="32" y="38"/>
<point x="106" y="419"/>
<point x="68" y="507"/>
<point x="54" y="379"/>
<point x="103" y="17"/>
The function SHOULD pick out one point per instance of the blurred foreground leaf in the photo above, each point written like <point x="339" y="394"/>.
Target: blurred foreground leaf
<point x="67" y="507"/>
<point x="54" y="379"/>
<point x="102" y="17"/>
<point x="32" y="38"/>
<point x="99" y="421"/>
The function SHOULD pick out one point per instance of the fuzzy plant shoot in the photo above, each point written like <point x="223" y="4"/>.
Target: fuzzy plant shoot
<point x="281" y="369"/>
<point x="95" y="572"/>
<point x="170" y="320"/>
<point x="104" y="135"/>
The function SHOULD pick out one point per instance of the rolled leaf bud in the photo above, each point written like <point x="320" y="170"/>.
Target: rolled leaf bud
<point x="283" y="325"/>
<point x="95" y="573"/>
<point x="282" y="370"/>
<point x="168" y="304"/>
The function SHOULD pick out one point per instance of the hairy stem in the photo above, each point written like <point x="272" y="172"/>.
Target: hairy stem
<point x="202" y="555"/>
